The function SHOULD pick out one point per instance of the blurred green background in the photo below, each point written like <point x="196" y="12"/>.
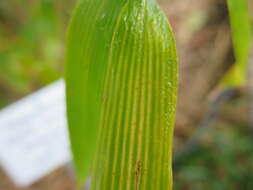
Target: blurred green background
<point x="223" y="162"/>
<point x="32" y="35"/>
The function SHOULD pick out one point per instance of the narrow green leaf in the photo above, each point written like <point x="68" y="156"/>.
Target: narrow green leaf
<point x="242" y="38"/>
<point x="121" y="79"/>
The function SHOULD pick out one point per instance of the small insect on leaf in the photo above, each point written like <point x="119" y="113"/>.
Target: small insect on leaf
<point x="121" y="79"/>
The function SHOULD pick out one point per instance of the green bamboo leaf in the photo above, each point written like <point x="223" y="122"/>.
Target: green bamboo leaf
<point x="242" y="38"/>
<point x="121" y="79"/>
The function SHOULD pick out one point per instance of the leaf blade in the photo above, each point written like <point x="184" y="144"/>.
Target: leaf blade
<point x="120" y="164"/>
<point x="84" y="73"/>
<point x="107" y="56"/>
<point x="242" y="39"/>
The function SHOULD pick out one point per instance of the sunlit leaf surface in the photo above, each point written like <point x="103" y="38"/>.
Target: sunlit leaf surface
<point x="121" y="79"/>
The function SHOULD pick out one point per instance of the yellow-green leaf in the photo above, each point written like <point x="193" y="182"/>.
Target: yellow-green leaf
<point x="242" y="39"/>
<point x="121" y="79"/>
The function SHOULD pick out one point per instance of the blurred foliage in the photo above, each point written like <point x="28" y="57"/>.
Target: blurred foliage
<point x="32" y="33"/>
<point x="224" y="161"/>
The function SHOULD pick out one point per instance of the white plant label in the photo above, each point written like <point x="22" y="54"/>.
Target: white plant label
<point x="33" y="135"/>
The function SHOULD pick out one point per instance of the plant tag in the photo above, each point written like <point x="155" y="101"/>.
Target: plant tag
<point x="33" y="135"/>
